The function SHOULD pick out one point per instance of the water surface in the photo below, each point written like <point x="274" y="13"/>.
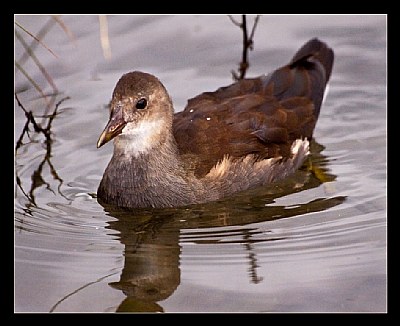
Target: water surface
<point x="315" y="242"/>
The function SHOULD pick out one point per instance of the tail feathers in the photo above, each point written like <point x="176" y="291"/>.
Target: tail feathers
<point x="317" y="50"/>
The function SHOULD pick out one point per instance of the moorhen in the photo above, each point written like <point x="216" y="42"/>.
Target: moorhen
<point x="251" y="133"/>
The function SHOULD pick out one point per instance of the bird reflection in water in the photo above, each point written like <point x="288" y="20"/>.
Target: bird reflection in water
<point x="153" y="238"/>
<point x="151" y="269"/>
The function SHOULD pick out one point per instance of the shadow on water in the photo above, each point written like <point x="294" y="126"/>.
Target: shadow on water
<point x="152" y="238"/>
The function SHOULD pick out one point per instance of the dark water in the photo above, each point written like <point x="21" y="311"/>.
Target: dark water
<point x="315" y="242"/>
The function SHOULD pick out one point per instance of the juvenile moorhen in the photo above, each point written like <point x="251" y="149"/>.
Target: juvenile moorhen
<point x="248" y="134"/>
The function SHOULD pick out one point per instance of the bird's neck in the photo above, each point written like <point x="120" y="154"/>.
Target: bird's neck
<point x="144" y="137"/>
<point x="148" y="176"/>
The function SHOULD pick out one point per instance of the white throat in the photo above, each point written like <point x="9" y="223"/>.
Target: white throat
<point x="136" y="139"/>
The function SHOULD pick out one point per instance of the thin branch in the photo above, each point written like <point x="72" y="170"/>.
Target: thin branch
<point x="40" y="35"/>
<point x="30" y="118"/>
<point x="52" y="116"/>
<point x="35" y="85"/>
<point x="36" y="61"/>
<point x="79" y="289"/>
<point x="37" y="179"/>
<point x="234" y="21"/>
<point x="20" y="104"/>
<point x="247" y="44"/>
<point x="254" y="27"/>
<point x="37" y="39"/>
<point x="24" y="130"/>
<point x="31" y="200"/>
<point x="67" y="31"/>
<point x="244" y="65"/>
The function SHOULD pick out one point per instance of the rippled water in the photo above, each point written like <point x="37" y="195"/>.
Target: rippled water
<point x="314" y="242"/>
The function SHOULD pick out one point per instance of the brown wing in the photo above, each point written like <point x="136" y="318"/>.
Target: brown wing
<point x="260" y="116"/>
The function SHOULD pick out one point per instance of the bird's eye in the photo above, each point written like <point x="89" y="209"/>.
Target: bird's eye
<point x="141" y="104"/>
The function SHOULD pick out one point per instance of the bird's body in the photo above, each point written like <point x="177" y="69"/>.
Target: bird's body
<point x="248" y="134"/>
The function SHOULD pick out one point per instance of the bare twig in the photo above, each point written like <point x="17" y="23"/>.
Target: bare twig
<point x="244" y="65"/>
<point x="35" y="85"/>
<point x="53" y="115"/>
<point x="30" y="53"/>
<point x="37" y="62"/>
<point x="254" y="28"/>
<point x="40" y="35"/>
<point x="24" y="130"/>
<point x="53" y="308"/>
<point x="36" y="38"/>
<point x="234" y="21"/>
<point x="37" y="179"/>
<point x="31" y="200"/>
<point x="29" y="119"/>
<point x="44" y="127"/>
<point x="67" y="31"/>
<point x="247" y="44"/>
